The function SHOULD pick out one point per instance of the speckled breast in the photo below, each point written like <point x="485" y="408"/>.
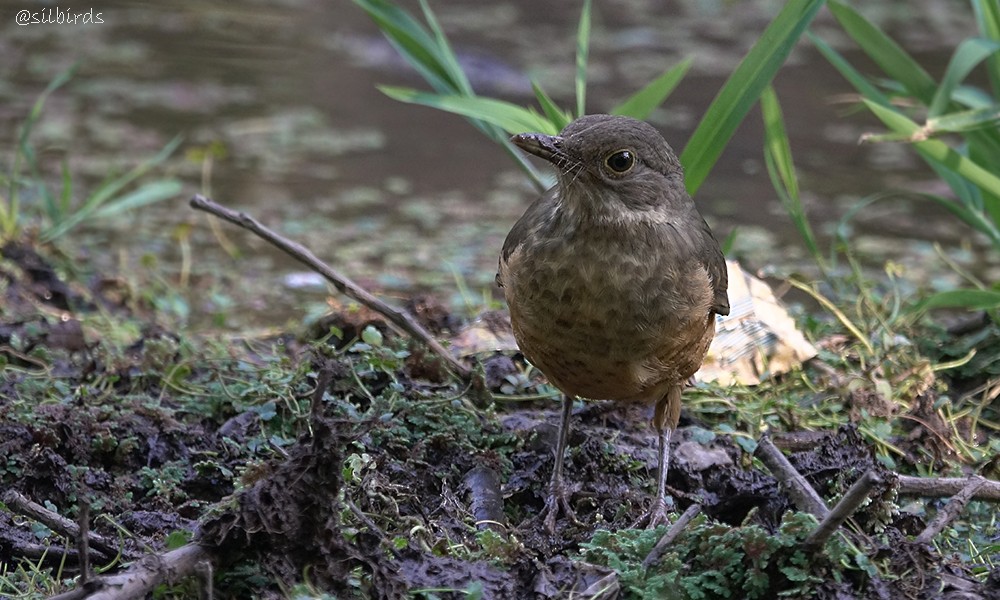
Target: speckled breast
<point x="610" y="318"/>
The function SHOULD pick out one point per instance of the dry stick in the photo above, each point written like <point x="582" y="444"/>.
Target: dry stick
<point x="82" y="545"/>
<point x="144" y="575"/>
<point x="854" y="498"/>
<point x="803" y="495"/>
<point x="942" y="487"/>
<point x="671" y="535"/>
<point x="952" y="510"/>
<point x="400" y="319"/>
<point x="23" y="506"/>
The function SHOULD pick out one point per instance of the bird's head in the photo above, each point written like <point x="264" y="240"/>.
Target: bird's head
<point x="610" y="162"/>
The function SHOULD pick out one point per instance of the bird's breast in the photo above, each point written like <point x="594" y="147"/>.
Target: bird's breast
<point x="608" y="314"/>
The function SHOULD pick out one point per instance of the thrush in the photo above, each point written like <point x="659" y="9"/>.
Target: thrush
<point x="613" y="280"/>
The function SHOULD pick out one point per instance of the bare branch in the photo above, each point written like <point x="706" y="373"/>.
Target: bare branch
<point x="144" y="575"/>
<point x="671" y="535"/>
<point x="23" y="506"/>
<point x="856" y="495"/>
<point x="400" y="319"/>
<point x="952" y="510"/>
<point x="943" y="487"/>
<point x="803" y="495"/>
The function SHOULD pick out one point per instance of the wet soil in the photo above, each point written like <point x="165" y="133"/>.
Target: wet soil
<point x="373" y="476"/>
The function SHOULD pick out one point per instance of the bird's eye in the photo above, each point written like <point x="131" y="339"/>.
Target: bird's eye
<point x="620" y="161"/>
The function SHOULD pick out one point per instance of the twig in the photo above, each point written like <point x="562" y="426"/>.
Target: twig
<point x="856" y="495"/>
<point x="23" y="506"/>
<point x="144" y="575"/>
<point x="671" y="535"/>
<point x="402" y="320"/>
<point x="82" y="545"/>
<point x="952" y="510"/>
<point x="803" y="495"/>
<point x="943" y="487"/>
<point x="375" y="529"/>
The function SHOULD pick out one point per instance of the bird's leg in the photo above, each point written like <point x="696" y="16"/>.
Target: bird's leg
<point x="658" y="512"/>
<point x="665" y="417"/>
<point x="558" y="495"/>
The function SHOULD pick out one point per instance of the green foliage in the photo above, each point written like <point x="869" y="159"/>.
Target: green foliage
<point x="710" y="560"/>
<point x="427" y="49"/>
<point x="950" y="123"/>
<point x="778" y="158"/>
<point x="56" y="212"/>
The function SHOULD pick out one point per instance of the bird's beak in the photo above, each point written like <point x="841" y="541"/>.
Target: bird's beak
<point x="544" y="146"/>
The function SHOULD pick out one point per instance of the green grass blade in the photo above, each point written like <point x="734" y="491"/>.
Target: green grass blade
<point x="936" y="151"/>
<point x="641" y="103"/>
<point x="965" y="120"/>
<point x="582" y="51"/>
<point x="971" y="299"/>
<point x="445" y="55"/>
<point x="967" y="213"/>
<point x="150" y="193"/>
<point x="781" y="169"/>
<point x="969" y="54"/>
<point x="988" y="17"/>
<point x="411" y="41"/>
<point x="847" y="71"/>
<point x="66" y="194"/>
<point x="26" y="152"/>
<point x="886" y="53"/>
<point x="506" y="115"/>
<point x="107" y="191"/>
<point x="742" y="89"/>
<point x="558" y="116"/>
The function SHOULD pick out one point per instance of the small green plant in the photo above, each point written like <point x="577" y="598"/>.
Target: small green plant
<point x="713" y="560"/>
<point x="428" y="50"/>
<point x="951" y="124"/>
<point x="57" y="212"/>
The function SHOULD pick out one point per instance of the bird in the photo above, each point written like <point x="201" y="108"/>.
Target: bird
<point x="613" y="280"/>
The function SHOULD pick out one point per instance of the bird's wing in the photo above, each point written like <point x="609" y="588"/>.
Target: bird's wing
<point x="532" y="217"/>
<point x="715" y="264"/>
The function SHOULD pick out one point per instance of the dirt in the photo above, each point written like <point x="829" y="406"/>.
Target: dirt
<point x="364" y="471"/>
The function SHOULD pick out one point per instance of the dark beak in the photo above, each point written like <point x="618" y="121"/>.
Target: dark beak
<point x="544" y="146"/>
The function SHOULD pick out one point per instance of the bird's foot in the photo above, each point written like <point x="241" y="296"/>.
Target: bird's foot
<point x="556" y="500"/>
<point x="657" y="514"/>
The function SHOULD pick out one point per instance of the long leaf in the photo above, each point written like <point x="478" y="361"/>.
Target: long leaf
<point x="966" y="120"/>
<point x="641" y="103"/>
<point x="742" y="89"/>
<point x="506" y="115"/>
<point x="411" y="40"/>
<point x="969" y="54"/>
<point x="973" y="218"/>
<point x="886" y="53"/>
<point x="26" y="152"/>
<point x="972" y="299"/>
<point x="150" y="193"/>
<point x="107" y="191"/>
<point x="988" y="17"/>
<point x="781" y="169"/>
<point x="558" y="116"/>
<point x="938" y="151"/>
<point x="582" y="50"/>
<point x="445" y="55"/>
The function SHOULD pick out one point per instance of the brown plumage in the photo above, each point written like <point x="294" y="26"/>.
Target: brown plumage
<point x="613" y="278"/>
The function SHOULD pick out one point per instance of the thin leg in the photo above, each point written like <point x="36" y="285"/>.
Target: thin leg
<point x="658" y="513"/>
<point x="558" y="495"/>
<point x="665" y="417"/>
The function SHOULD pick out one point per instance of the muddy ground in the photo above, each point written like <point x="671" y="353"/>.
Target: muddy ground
<point x="354" y="465"/>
